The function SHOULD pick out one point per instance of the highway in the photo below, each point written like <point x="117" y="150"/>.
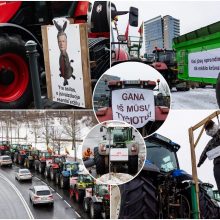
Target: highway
<point x="15" y="203"/>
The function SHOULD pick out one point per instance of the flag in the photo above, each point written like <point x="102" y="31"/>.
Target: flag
<point x="126" y="32"/>
<point x="140" y="31"/>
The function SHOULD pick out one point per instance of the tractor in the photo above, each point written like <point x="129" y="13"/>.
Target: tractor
<point x="161" y="104"/>
<point x="52" y="167"/>
<point x="20" y="154"/>
<point x="21" y="21"/>
<point x="79" y="185"/>
<point x="162" y="189"/>
<point x="97" y="201"/>
<point x="30" y="158"/>
<point x="118" y="139"/>
<point x="42" y="159"/>
<point x="4" y="148"/>
<point x="68" y="174"/>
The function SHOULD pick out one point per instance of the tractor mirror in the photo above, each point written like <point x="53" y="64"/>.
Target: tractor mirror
<point x="133" y="17"/>
<point x="122" y="38"/>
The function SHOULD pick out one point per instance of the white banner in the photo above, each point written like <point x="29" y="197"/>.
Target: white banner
<point x="119" y="154"/>
<point x="205" y="64"/>
<point x="134" y="106"/>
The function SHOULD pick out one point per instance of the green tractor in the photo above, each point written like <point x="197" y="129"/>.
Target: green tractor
<point x="79" y="185"/>
<point x="97" y="201"/>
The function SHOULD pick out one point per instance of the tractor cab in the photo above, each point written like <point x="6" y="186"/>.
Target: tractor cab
<point x="85" y="181"/>
<point x="44" y="155"/>
<point x="4" y="148"/>
<point x="71" y="167"/>
<point x="161" y="153"/>
<point x="165" y="56"/>
<point x="58" y="159"/>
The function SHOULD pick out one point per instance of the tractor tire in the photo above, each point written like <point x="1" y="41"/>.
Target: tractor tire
<point x="208" y="209"/>
<point x="64" y="182"/>
<point x="15" y="79"/>
<point x="41" y="168"/>
<point x="79" y="195"/>
<point x="86" y="204"/>
<point x="99" y="162"/>
<point x="138" y="199"/>
<point x="52" y="173"/>
<point x="133" y="164"/>
<point x="217" y="90"/>
<point x="57" y="179"/>
<point x="95" y="210"/>
<point x="47" y="172"/>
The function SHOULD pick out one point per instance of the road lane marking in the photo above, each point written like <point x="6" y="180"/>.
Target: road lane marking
<point x="59" y="195"/>
<point x="19" y="195"/>
<point x="67" y="203"/>
<point x="78" y="214"/>
<point x="37" y="178"/>
<point x="52" y="189"/>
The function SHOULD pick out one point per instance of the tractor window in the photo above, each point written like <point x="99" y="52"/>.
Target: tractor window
<point x="120" y="135"/>
<point x="103" y="190"/>
<point x="161" y="156"/>
<point x="166" y="56"/>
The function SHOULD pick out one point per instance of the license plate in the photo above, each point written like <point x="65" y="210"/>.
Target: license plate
<point x="119" y="154"/>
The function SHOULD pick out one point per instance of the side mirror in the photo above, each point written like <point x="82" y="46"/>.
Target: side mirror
<point x="133" y="17"/>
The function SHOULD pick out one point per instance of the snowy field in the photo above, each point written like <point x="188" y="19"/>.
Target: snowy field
<point x="194" y="99"/>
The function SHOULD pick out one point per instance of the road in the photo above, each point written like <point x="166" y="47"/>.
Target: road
<point x="16" y="204"/>
<point x="194" y="99"/>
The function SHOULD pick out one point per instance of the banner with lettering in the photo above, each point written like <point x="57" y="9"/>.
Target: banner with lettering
<point x="134" y="106"/>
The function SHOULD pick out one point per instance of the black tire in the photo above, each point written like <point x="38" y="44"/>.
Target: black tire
<point x="47" y="172"/>
<point x="95" y="210"/>
<point x="138" y="199"/>
<point x="133" y="164"/>
<point x="15" y="45"/>
<point x="64" y="182"/>
<point x="86" y="204"/>
<point x="217" y="90"/>
<point x="99" y="162"/>
<point x="81" y="194"/>
<point x="208" y="209"/>
<point x="57" y="179"/>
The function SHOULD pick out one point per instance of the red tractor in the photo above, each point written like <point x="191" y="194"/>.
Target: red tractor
<point x="4" y="148"/>
<point x="21" y="154"/>
<point x="41" y="160"/>
<point x="21" y="21"/>
<point x="54" y="166"/>
<point x="161" y="105"/>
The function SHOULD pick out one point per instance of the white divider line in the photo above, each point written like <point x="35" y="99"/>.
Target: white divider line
<point x="67" y="203"/>
<point x="59" y="195"/>
<point x="19" y="195"/>
<point x="78" y="214"/>
<point x="52" y="189"/>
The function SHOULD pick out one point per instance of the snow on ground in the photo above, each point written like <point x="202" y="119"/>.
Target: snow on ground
<point x="194" y="99"/>
<point x="115" y="178"/>
<point x="115" y="202"/>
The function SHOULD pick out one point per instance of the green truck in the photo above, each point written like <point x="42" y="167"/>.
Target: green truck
<point x="198" y="54"/>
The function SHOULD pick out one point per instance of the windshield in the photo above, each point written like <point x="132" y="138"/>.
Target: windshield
<point x="4" y="142"/>
<point x="43" y="193"/>
<point x="120" y="135"/>
<point x="166" y="56"/>
<point x="72" y="167"/>
<point x="6" y="158"/>
<point x="59" y="159"/>
<point x="25" y="171"/>
<point x="162" y="157"/>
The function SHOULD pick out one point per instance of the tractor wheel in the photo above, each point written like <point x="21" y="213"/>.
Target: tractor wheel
<point x="95" y="210"/>
<point x="41" y="167"/>
<point x="217" y="90"/>
<point x="52" y="173"/>
<point x="64" y="182"/>
<point x="99" y="162"/>
<point x="15" y="80"/>
<point x="86" y="204"/>
<point x="79" y="195"/>
<point x="47" y="172"/>
<point x="57" y="179"/>
<point x="208" y="209"/>
<point x="138" y="199"/>
<point x="35" y="166"/>
<point x="133" y="164"/>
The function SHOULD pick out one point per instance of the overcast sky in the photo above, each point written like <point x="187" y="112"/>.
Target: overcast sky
<point x="192" y="14"/>
<point x="176" y="128"/>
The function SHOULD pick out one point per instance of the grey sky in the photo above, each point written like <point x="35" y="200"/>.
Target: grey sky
<point x="192" y="14"/>
<point x="176" y="128"/>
